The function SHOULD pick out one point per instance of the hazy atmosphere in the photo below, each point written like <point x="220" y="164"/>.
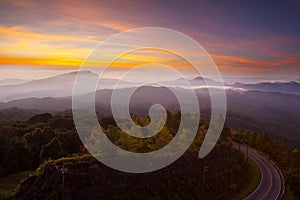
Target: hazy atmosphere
<point x="149" y="100"/>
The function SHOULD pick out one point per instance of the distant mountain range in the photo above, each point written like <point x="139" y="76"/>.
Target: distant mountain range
<point x="291" y="87"/>
<point x="12" y="81"/>
<point x="257" y="104"/>
<point x="279" y="111"/>
<point x="198" y="81"/>
<point x="274" y="105"/>
<point x="56" y="86"/>
<point x="62" y="86"/>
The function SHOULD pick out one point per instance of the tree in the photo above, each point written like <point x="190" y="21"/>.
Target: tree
<point x="48" y="135"/>
<point x="233" y="187"/>
<point x="52" y="150"/>
<point x="62" y="123"/>
<point x="18" y="156"/>
<point x="42" y="118"/>
<point x="39" y="136"/>
<point x="4" y="145"/>
<point x="70" y="141"/>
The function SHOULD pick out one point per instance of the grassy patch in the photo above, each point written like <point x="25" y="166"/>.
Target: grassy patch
<point x="9" y="183"/>
<point x="252" y="182"/>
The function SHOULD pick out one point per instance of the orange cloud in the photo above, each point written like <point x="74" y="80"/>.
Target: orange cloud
<point x="66" y="62"/>
<point x="93" y="21"/>
<point x="21" y="32"/>
<point x="246" y="64"/>
<point x="129" y="60"/>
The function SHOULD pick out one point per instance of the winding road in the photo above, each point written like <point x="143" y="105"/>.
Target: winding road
<point x="271" y="185"/>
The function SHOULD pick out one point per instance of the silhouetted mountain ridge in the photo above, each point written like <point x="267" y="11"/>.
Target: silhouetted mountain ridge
<point x="291" y="87"/>
<point x="277" y="111"/>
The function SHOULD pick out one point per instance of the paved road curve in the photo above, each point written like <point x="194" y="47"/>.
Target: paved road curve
<point x="270" y="186"/>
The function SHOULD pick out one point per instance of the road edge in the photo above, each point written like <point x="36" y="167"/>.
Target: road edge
<point x="282" y="189"/>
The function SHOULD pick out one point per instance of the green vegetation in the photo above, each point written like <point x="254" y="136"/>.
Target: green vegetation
<point x="52" y="150"/>
<point x="286" y="158"/>
<point x="226" y="175"/>
<point x="25" y="145"/>
<point x="50" y="145"/>
<point x="9" y="184"/>
<point x="65" y="161"/>
<point x="253" y="179"/>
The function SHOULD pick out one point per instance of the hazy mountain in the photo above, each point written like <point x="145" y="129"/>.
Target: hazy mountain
<point x="291" y="87"/>
<point x="274" y="104"/>
<point x="250" y="102"/>
<point x="248" y="80"/>
<point x="12" y="81"/>
<point x="254" y="80"/>
<point x="62" y="85"/>
<point x="17" y="114"/>
<point x="56" y="86"/>
<point x="181" y="82"/>
<point x="283" y="110"/>
<point x="45" y="104"/>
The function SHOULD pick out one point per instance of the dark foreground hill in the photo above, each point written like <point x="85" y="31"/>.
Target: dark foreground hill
<point x="82" y="177"/>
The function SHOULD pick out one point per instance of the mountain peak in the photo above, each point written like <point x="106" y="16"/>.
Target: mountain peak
<point x="84" y="72"/>
<point x="199" y="78"/>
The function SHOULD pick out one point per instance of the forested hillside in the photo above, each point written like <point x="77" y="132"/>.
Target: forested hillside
<point x="50" y="145"/>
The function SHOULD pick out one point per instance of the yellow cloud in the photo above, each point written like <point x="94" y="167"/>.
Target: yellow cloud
<point x="22" y="32"/>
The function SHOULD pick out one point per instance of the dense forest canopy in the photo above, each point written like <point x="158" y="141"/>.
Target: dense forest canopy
<point x="44" y="138"/>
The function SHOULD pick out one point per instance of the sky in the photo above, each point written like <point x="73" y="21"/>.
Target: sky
<point x="245" y="39"/>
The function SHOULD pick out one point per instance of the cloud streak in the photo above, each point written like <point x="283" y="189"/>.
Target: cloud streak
<point x="55" y="33"/>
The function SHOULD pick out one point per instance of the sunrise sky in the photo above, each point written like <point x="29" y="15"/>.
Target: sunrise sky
<point x="43" y="38"/>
